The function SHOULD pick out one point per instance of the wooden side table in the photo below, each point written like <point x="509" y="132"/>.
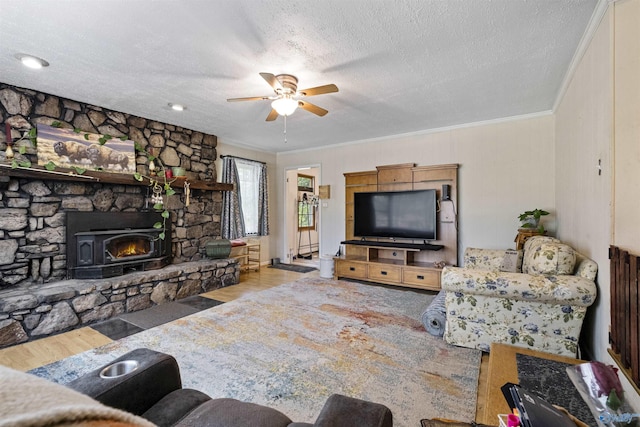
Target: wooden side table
<point x="253" y="260"/>
<point x="248" y="255"/>
<point x="524" y="234"/>
<point x="503" y="368"/>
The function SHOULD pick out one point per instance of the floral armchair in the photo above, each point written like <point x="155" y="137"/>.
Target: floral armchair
<point x="539" y="306"/>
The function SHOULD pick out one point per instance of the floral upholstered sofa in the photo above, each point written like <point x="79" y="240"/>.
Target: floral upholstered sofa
<point x="539" y="306"/>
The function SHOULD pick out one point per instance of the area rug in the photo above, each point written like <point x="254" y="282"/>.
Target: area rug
<point x="292" y="346"/>
<point x="293" y="267"/>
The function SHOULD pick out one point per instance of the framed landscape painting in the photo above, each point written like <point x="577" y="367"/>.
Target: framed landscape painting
<point x="68" y="148"/>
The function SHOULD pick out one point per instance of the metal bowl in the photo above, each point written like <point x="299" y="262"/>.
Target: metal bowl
<point x="119" y="369"/>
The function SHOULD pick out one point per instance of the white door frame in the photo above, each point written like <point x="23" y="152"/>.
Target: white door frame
<point x="285" y="226"/>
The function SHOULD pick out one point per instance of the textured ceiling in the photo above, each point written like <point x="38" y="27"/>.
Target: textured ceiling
<point x="401" y="66"/>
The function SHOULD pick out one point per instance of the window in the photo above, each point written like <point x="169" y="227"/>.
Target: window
<point x="305" y="183"/>
<point x="306" y="219"/>
<point x="249" y="185"/>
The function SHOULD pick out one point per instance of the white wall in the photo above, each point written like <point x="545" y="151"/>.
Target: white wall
<point x="626" y="212"/>
<point x="583" y="137"/>
<point x="590" y="129"/>
<point x="267" y="243"/>
<point x="505" y="169"/>
<point x="627" y="125"/>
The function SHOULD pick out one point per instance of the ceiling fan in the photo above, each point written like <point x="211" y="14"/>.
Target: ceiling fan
<point x="285" y="100"/>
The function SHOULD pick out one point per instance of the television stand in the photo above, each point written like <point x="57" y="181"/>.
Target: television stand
<point x="397" y="263"/>
<point x="392" y="263"/>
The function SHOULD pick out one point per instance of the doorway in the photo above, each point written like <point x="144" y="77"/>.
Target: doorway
<point x="302" y="222"/>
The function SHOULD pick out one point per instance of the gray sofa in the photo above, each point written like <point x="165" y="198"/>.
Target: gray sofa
<point x="153" y="390"/>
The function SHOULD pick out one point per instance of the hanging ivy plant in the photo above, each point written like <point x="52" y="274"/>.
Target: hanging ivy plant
<point x="157" y="188"/>
<point x="31" y="136"/>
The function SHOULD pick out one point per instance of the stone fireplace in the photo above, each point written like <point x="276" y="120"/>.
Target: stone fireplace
<point x="109" y="244"/>
<point x="33" y="235"/>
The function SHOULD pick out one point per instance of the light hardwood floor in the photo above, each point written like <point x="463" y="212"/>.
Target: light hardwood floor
<point x="41" y="352"/>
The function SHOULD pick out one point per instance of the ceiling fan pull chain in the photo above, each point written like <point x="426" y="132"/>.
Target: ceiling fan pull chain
<point x="285" y="129"/>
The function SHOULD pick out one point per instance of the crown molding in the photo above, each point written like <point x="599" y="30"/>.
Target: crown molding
<point x="585" y="41"/>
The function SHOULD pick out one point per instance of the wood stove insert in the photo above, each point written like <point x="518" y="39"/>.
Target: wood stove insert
<point x="109" y="244"/>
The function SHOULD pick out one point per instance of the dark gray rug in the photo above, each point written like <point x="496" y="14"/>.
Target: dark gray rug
<point x="158" y="315"/>
<point x="138" y="321"/>
<point x="201" y="303"/>
<point x="116" y="328"/>
<point x="294" y="267"/>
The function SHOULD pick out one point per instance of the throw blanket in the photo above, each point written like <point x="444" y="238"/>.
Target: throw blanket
<point x="26" y="400"/>
<point x="434" y="316"/>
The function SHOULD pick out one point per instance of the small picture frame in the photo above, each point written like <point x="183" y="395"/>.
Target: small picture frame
<point x="324" y="192"/>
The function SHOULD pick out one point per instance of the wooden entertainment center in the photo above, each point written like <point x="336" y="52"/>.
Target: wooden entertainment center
<point x="401" y="262"/>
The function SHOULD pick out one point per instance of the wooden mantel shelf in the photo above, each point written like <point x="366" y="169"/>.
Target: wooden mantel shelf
<point x="64" y="174"/>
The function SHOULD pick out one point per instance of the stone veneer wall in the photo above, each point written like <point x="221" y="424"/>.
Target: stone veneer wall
<point x="36" y="300"/>
<point x="43" y="310"/>
<point x="32" y="232"/>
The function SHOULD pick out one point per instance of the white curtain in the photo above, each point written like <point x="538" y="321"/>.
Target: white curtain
<point x="246" y="211"/>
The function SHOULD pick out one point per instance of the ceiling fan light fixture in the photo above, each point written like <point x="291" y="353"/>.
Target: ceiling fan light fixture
<point x="32" y="61"/>
<point x="285" y="106"/>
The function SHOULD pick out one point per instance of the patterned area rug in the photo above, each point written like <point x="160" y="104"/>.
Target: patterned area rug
<point x="292" y="346"/>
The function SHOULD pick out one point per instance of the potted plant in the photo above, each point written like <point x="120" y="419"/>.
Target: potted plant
<point x="531" y="219"/>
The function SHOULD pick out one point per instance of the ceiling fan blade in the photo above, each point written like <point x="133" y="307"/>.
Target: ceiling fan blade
<point x="251" y="98"/>
<point x="319" y="90"/>
<point x="312" y="108"/>
<point x="272" y="115"/>
<point x="273" y="82"/>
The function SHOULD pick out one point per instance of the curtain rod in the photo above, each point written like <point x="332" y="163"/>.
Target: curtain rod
<point x="243" y="158"/>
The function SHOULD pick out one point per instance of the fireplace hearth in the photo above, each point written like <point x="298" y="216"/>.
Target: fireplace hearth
<point x="109" y="244"/>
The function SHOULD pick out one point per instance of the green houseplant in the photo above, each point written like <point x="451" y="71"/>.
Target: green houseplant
<point x="531" y="219"/>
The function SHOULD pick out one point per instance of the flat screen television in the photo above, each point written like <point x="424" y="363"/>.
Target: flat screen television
<point x="398" y="214"/>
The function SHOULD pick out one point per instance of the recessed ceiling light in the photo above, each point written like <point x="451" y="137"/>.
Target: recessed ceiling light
<point x="32" y="61"/>
<point x="177" y="107"/>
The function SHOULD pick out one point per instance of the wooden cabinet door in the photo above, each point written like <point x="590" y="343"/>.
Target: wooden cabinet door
<point x="395" y="177"/>
<point x="422" y="277"/>
<point x="357" y="182"/>
<point x="385" y="273"/>
<point x="354" y="270"/>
